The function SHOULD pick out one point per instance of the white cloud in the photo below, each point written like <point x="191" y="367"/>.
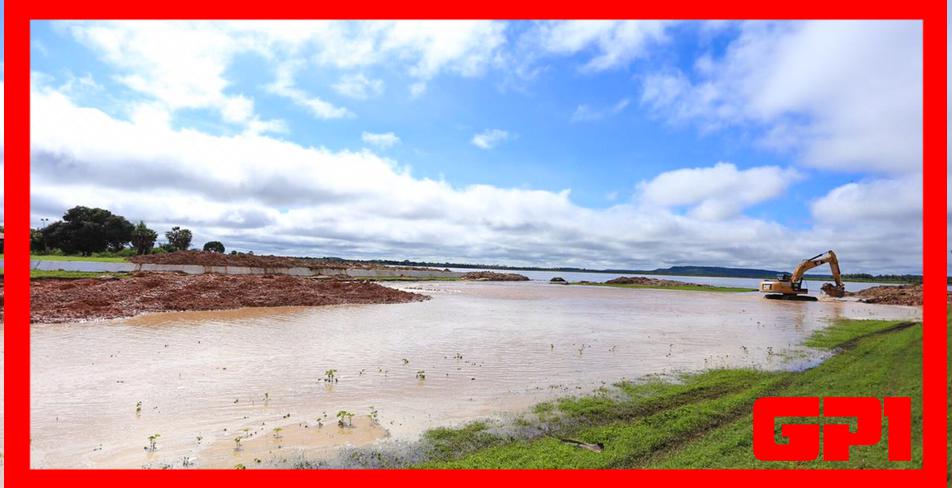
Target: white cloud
<point x="585" y="113"/>
<point x="383" y="140"/>
<point x="358" y="86"/>
<point x="718" y="192"/>
<point x="616" y="43"/>
<point x="284" y="86"/>
<point x="490" y="138"/>
<point x="888" y="201"/>
<point x="844" y="95"/>
<point x="358" y="204"/>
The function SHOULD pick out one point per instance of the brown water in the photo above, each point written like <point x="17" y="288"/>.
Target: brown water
<point x="202" y="377"/>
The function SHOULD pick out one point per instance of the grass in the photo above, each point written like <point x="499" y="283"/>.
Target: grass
<point x="730" y="289"/>
<point x="110" y="259"/>
<point x="37" y="274"/>
<point x="705" y="420"/>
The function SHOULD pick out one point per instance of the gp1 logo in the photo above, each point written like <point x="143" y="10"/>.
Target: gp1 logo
<point x="803" y="440"/>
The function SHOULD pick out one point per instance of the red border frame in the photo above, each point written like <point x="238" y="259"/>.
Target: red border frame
<point x="17" y="214"/>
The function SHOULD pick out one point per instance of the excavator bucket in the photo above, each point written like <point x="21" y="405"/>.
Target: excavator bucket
<point x="833" y="290"/>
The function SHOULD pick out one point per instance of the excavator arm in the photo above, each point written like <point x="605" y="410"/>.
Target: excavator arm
<point x="829" y="257"/>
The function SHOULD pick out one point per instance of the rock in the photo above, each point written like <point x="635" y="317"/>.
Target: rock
<point x="560" y="280"/>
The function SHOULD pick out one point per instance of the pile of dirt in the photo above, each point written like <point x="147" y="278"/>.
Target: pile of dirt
<point x="639" y="280"/>
<point x="69" y="300"/>
<point x="891" y="294"/>
<point x="202" y="258"/>
<point x="492" y="276"/>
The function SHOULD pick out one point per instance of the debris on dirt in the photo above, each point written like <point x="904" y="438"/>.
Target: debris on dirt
<point x="560" y="280"/>
<point x="492" y="276"/>
<point x="69" y="300"/>
<point x="639" y="280"/>
<point x="892" y="294"/>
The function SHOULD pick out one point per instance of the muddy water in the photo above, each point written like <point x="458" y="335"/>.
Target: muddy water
<point x="485" y="349"/>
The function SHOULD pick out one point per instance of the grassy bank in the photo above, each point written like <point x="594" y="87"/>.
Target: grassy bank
<point x="37" y="274"/>
<point x="731" y="289"/>
<point x="97" y="259"/>
<point x="702" y="422"/>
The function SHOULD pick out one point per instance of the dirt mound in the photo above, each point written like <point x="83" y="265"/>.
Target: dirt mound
<point x="202" y="258"/>
<point x="493" y="276"/>
<point x="55" y="300"/>
<point x="640" y="280"/>
<point x="891" y="294"/>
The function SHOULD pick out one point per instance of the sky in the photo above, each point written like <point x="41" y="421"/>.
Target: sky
<point x="601" y="144"/>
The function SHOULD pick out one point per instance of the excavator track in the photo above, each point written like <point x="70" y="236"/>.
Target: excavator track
<point x="794" y="298"/>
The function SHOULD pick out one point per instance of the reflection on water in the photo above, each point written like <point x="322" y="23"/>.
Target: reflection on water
<point x="205" y="378"/>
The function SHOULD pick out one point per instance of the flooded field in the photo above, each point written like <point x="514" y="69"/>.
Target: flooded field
<point x="263" y="387"/>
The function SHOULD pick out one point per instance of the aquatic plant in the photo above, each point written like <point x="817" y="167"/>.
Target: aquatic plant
<point x="345" y="419"/>
<point x="237" y="443"/>
<point x="240" y="466"/>
<point x="406" y="361"/>
<point x="152" y="440"/>
<point x="139" y="407"/>
<point x="374" y="415"/>
<point x="266" y="396"/>
<point x="458" y="356"/>
<point x="198" y="439"/>
<point x="421" y="375"/>
<point x="277" y="432"/>
<point x="186" y="462"/>
<point x="330" y="376"/>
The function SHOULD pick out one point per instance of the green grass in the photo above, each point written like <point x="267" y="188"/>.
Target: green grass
<point x="37" y="274"/>
<point x="34" y="257"/>
<point x="705" y="420"/>
<point x="680" y="287"/>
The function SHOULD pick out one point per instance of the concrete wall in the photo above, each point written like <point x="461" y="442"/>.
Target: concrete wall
<point x="99" y="267"/>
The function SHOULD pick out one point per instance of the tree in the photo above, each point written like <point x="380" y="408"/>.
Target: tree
<point x="87" y="230"/>
<point x="143" y="238"/>
<point x="37" y="243"/>
<point x="214" y="246"/>
<point x="179" y="238"/>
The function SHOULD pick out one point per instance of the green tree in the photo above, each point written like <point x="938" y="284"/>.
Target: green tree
<point x="179" y="238"/>
<point x="214" y="246"/>
<point x="143" y="238"/>
<point x="85" y="230"/>
<point x="36" y="241"/>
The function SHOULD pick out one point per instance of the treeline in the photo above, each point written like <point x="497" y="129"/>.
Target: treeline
<point x="86" y="231"/>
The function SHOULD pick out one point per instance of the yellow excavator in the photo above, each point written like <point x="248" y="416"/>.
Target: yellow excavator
<point x="789" y="286"/>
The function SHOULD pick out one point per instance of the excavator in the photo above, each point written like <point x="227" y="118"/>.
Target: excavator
<point x="789" y="286"/>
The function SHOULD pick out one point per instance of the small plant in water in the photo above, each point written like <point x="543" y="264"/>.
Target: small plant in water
<point x="152" y="440"/>
<point x="330" y="376"/>
<point x="240" y="466"/>
<point x="266" y="396"/>
<point x="374" y="415"/>
<point x="406" y="361"/>
<point x="458" y="356"/>
<point x="421" y="375"/>
<point x="138" y="407"/>
<point x="237" y="443"/>
<point x="345" y="419"/>
<point x="277" y="432"/>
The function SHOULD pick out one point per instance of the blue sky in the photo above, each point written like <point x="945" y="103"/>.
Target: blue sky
<point x="704" y="130"/>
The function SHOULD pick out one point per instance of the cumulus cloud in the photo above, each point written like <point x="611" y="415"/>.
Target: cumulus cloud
<point x="271" y="195"/>
<point x="489" y="138"/>
<point x="717" y="192"/>
<point x="843" y="95"/>
<point x="383" y="140"/>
